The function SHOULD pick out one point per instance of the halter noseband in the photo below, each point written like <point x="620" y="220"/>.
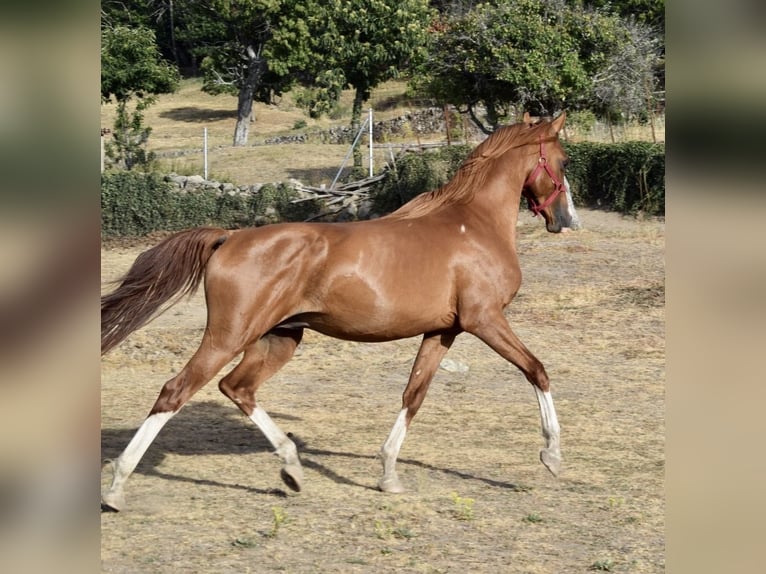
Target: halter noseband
<point x="542" y="164"/>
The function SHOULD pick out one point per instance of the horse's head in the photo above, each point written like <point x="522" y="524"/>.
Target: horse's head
<point x="546" y="187"/>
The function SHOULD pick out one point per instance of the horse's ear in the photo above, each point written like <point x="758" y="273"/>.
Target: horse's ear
<point x="558" y="123"/>
<point x="527" y="119"/>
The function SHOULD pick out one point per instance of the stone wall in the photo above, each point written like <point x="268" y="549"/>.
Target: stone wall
<point x="421" y="122"/>
<point x="185" y="183"/>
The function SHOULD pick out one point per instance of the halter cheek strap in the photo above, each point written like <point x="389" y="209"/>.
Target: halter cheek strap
<point x="542" y="165"/>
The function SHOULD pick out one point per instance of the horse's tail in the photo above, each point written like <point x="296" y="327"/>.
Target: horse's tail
<point x="174" y="267"/>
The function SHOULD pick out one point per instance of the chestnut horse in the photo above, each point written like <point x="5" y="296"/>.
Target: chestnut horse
<point x="443" y="264"/>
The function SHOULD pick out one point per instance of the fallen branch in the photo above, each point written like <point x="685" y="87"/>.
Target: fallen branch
<point x="358" y="190"/>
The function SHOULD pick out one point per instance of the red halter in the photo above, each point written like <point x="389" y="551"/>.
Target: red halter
<point x="542" y="164"/>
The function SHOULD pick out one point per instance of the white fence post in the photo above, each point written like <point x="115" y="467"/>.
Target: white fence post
<point x="369" y="120"/>
<point x="204" y="151"/>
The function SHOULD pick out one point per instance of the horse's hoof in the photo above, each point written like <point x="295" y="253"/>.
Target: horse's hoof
<point x="292" y="476"/>
<point x="552" y="461"/>
<point x="391" y="485"/>
<point x="112" y="502"/>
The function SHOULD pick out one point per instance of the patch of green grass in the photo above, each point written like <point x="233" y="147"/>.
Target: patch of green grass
<point x="386" y="531"/>
<point x="280" y="517"/>
<point x="382" y="530"/>
<point x="463" y="509"/>
<point x="244" y="543"/>
<point x="533" y="518"/>
<point x="605" y="565"/>
<point x="403" y="532"/>
<point x="615" y="501"/>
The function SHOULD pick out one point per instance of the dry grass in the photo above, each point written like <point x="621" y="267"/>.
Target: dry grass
<point x="177" y="121"/>
<point x="591" y="307"/>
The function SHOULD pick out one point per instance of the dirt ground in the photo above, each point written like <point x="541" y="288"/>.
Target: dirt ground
<point x="207" y="496"/>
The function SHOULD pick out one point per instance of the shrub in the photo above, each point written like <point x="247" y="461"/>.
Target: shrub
<point x="132" y="203"/>
<point x="627" y="177"/>
<point x="414" y="173"/>
<point x="273" y="203"/>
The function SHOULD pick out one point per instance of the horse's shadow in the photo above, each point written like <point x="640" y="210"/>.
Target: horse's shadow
<point x="209" y="428"/>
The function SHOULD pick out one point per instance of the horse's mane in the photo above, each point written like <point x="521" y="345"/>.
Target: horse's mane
<point x="472" y="173"/>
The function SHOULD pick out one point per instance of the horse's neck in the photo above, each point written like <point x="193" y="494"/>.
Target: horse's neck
<point x="497" y="203"/>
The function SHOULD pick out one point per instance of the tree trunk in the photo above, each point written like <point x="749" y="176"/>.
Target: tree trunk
<point x="173" y="47"/>
<point x="255" y="68"/>
<point x="492" y="116"/>
<point x="244" y="107"/>
<point x="477" y="122"/>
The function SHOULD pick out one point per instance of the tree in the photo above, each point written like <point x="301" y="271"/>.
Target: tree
<point x="248" y="48"/>
<point x="647" y="12"/>
<point x="647" y="20"/>
<point x="364" y="43"/>
<point x="257" y="49"/>
<point x="132" y="69"/>
<point x="528" y="54"/>
<point x="624" y="87"/>
<point x="162" y="16"/>
<point x="496" y="57"/>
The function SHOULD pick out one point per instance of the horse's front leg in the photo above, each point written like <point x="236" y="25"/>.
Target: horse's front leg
<point x="432" y="350"/>
<point x="496" y="333"/>
<point x="551" y="454"/>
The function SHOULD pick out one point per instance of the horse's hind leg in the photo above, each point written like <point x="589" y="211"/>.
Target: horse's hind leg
<point x="202" y="367"/>
<point x="432" y="350"/>
<point x="498" y="335"/>
<point x="262" y="359"/>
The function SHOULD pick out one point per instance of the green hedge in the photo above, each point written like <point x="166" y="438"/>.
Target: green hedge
<point x="135" y="203"/>
<point x="627" y="177"/>
<point x="415" y="173"/>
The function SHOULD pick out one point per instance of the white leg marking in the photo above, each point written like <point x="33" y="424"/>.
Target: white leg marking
<point x="548" y="417"/>
<point x="292" y="471"/>
<point x="396" y="437"/>
<point x="551" y="454"/>
<point x="390" y="451"/>
<point x="130" y="457"/>
<point x="285" y="448"/>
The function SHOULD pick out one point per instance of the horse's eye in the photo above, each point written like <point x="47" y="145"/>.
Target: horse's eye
<point x="564" y="163"/>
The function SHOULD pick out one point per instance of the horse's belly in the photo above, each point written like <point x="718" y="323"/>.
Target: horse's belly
<point x="372" y="331"/>
<point x="379" y="320"/>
